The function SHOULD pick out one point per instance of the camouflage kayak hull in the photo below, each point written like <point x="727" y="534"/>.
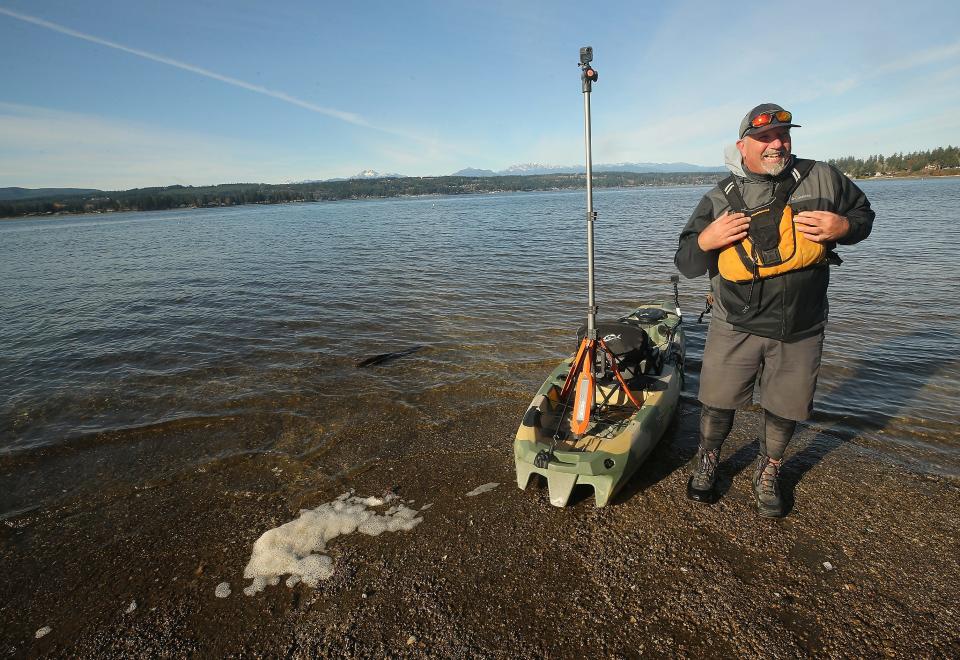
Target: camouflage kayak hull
<point x="619" y="439"/>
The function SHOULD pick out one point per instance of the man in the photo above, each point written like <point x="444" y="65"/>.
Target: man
<point x="768" y="320"/>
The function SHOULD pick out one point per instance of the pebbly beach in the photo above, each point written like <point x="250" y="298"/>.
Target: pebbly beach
<point x="863" y="565"/>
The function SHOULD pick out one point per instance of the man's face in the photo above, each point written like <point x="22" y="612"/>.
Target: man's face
<point x="767" y="152"/>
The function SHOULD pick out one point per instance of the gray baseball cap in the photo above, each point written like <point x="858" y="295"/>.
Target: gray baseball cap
<point x="746" y="127"/>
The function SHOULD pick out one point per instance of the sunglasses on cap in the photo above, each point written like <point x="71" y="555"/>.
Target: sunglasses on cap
<point x="764" y="118"/>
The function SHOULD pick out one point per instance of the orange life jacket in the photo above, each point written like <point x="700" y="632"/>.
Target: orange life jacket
<point x="773" y="245"/>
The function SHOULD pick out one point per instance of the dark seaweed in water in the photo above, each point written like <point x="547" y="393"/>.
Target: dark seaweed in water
<point x="386" y="357"/>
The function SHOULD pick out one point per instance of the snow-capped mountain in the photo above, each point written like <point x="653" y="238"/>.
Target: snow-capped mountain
<point x="525" y="169"/>
<point x="373" y="174"/>
<point x="537" y="168"/>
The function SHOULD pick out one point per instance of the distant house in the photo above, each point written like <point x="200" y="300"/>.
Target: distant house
<point x="932" y="167"/>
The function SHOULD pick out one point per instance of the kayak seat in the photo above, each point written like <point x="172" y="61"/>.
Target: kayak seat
<point x="629" y="343"/>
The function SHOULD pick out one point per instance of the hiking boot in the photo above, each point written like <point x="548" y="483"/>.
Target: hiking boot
<point x="700" y="486"/>
<point x="766" y="487"/>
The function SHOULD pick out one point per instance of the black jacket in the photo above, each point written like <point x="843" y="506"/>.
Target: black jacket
<point x="788" y="306"/>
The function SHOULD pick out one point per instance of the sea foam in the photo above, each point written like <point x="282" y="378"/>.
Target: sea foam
<point x="297" y="548"/>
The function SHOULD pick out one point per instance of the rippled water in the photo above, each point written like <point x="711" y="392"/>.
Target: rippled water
<point x="120" y="323"/>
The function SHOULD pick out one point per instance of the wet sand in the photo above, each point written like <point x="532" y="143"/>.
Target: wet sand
<point x="864" y="565"/>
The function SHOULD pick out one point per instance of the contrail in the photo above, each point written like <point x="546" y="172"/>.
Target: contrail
<point x="348" y="117"/>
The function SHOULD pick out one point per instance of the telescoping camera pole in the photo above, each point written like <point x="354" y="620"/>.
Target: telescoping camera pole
<point x="581" y="378"/>
<point x="586" y="358"/>
<point x="585" y="368"/>
<point x="589" y="76"/>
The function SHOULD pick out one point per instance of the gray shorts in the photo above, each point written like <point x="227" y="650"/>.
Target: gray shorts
<point x="786" y="372"/>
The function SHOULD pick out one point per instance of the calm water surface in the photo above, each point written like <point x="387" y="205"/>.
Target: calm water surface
<point x="116" y="324"/>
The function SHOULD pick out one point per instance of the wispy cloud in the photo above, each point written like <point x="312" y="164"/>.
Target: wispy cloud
<point x="342" y="115"/>
<point x="933" y="55"/>
<point x="914" y="60"/>
<point x="675" y="138"/>
<point x="41" y="147"/>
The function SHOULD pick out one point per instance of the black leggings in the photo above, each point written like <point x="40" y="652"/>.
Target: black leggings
<point x="777" y="432"/>
<point x="715" y="425"/>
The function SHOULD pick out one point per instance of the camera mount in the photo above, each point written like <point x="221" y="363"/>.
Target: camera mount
<point x="589" y="74"/>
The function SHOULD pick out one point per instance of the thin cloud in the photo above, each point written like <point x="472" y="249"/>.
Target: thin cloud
<point x="40" y="147"/>
<point x="929" y="56"/>
<point x="933" y="55"/>
<point x="675" y="138"/>
<point x="349" y="117"/>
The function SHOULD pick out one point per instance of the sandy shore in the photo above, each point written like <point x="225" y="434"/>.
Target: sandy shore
<point x="864" y="565"/>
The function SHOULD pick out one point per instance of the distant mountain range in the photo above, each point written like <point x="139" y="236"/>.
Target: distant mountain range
<point x="524" y="169"/>
<point x="529" y="169"/>
<point x="373" y="174"/>
<point x="538" y="168"/>
<point x="365" y="174"/>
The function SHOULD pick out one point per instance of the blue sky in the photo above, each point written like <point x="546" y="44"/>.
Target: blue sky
<point x="122" y="93"/>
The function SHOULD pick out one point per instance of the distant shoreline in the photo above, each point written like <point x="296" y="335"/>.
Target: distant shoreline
<point x="180" y="197"/>
<point x="886" y="177"/>
<point x="602" y="181"/>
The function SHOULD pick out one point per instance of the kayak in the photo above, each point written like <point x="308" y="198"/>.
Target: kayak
<point x="648" y="346"/>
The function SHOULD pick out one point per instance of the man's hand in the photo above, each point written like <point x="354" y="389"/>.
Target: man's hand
<point x="822" y="226"/>
<point x="725" y="230"/>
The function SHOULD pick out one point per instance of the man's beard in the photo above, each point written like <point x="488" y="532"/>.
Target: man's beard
<point x="774" y="169"/>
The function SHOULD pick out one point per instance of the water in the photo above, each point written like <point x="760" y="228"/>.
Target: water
<point x="249" y="320"/>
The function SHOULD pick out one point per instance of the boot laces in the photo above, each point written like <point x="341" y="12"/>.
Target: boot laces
<point x="708" y="461"/>
<point x="769" y="474"/>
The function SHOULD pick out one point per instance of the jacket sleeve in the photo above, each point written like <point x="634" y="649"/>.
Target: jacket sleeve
<point x="855" y="207"/>
<point x="690" y="260"/>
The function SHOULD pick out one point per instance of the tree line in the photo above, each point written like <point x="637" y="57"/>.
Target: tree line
<point x="233" y="194"/>
<point x="939" y="161"/>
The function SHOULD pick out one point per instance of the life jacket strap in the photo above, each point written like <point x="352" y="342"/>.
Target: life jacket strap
<point x="785" y="188"/>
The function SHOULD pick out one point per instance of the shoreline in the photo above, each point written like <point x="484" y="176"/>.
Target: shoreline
<point x="66" y="214"/>
<point x="60" y="214"/>
<point x="501" y="574"/>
